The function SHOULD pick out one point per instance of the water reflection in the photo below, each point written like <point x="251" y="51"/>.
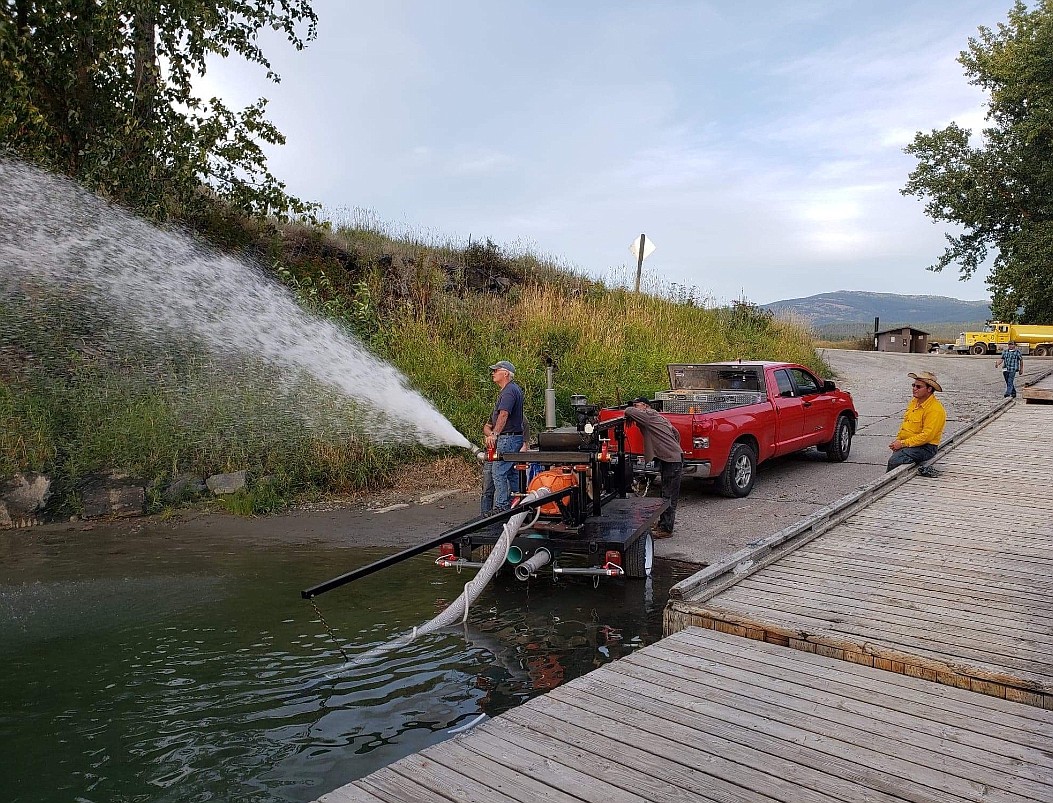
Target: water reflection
<point x="203" y="676"/>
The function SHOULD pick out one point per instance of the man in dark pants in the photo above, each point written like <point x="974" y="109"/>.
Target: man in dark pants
<point x="661" y="444"/>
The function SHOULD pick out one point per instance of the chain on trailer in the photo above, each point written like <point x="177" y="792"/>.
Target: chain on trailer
<point x="328" y="629"/>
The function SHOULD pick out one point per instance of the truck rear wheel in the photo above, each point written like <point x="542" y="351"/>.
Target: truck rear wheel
<point x="979" y="348"/>
<point x="1041" y="351"/>
<point x="837" y="450"/>
<point x="739" y="474"/>
<point x="640" y="557"/>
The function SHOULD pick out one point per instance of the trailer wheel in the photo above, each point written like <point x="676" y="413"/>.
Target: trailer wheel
<point x="979" y="348"/>
<point x="837" y="450"/>
<point x="1041" y="351"/>
<point x="738" y="476"/>
<point x="640" y="557"/>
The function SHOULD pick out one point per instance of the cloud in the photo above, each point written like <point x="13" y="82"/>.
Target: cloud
<point x="759" y="146"/>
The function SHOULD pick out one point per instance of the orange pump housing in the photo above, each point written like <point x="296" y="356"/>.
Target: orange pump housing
<point x="555" y="479"/>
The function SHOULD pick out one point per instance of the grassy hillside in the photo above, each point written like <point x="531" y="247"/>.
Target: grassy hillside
<point x="76" y="407"/>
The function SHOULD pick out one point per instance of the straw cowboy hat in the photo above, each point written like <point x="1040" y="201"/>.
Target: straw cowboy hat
<point x="928" y="378"/>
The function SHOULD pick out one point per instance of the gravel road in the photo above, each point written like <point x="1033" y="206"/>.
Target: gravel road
<point x="709" y="526"/>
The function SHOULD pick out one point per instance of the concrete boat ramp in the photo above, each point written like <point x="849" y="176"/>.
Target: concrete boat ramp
<point x="897" y="646"/>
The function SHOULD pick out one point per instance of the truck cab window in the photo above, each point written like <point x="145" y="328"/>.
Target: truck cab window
<point x="782" y="381"/>
<point x="807" y="384"/>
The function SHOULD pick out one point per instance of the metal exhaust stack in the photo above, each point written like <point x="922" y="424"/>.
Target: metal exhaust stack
<point x="550" y="395"/>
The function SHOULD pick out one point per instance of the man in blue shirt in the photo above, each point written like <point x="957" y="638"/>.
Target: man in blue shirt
<point x="1012" y="363"/>
<point x="504" y="432"/>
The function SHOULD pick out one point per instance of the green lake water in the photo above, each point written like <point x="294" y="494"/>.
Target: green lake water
<point x="160" y="669"/>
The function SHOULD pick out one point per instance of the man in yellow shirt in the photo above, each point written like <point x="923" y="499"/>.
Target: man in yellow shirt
<point x="923" y="423"/>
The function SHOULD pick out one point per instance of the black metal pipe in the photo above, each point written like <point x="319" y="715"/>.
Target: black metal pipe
<point x="610" y="423"/>
<point x="449" y="535"/>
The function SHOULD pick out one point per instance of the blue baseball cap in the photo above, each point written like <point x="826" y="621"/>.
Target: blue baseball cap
<point x="503" y="364"/>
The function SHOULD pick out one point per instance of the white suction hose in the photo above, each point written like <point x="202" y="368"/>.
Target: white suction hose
<point x="458" y="610"/>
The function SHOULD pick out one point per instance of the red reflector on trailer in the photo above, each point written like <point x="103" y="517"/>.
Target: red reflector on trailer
<point x="446" y="551"/>
<point x="613" y="556"/>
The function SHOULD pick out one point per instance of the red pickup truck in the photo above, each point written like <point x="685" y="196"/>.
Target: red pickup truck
<point x="731" y="416"/>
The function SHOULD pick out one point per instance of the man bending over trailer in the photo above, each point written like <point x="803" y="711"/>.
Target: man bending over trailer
<point x="661" y="444"/>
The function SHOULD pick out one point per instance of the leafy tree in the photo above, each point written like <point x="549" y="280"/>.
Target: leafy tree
<point x="1001" y="191"/>
<point x="101" y="90"/>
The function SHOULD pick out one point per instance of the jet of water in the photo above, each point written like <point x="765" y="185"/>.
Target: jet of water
<point x="169" y="285"/>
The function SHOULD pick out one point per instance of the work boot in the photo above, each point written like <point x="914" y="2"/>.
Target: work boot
<point x="928" y="471"/>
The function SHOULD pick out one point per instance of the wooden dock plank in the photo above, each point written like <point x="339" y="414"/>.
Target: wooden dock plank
<point x="710" y="717"/>
<point x="883" y="747"/>
<point x="987" y="711"/>
<point x="834" y="604"/>
<point x="928" y="579"/>
<point x="948" y="578"/>
<point x="891" y="603"/>
<point x="488" y="774"/>
<point x="1038" y="609"/>
<point x="351" y="794"/>
<point x="865" y="711"/>
<point x="583" y="744"/>
<point x="693" y="742"/>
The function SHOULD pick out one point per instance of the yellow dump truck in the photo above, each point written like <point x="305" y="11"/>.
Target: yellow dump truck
<point x="1031" y="339"/>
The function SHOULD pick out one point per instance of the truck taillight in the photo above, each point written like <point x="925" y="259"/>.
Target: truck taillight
<point x="447" y="551"/>
<point x="613" y="557"/>
<point x="701" y="426"/>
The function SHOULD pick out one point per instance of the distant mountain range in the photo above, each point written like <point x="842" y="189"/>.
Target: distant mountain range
<point x="855" y="306"/>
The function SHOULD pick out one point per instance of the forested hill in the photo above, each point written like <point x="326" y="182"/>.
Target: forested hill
<point x="850" y="306"/>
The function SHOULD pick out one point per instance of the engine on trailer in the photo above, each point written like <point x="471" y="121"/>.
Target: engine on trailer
<point x="587" y="415"/>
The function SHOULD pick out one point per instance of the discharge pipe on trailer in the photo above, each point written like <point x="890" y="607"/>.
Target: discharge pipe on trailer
<point x="542" y="557"/>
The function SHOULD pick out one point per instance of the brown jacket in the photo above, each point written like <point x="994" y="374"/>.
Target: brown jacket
<point x="661" y="440"/>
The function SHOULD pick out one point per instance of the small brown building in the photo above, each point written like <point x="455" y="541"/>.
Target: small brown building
<point x="905" y="339"/>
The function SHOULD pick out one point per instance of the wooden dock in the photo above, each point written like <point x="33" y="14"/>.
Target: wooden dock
<point x="706" y="716"/>
<point x="947" y="578"/>
<point x="811" y="676"/>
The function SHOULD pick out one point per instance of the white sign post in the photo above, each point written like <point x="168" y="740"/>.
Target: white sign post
<point x="641" y="248"/>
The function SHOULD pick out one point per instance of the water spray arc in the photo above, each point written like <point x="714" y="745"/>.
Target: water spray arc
<point x="170" y="288"/>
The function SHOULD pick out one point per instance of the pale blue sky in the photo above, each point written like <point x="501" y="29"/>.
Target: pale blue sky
<point x="758" y="144"/>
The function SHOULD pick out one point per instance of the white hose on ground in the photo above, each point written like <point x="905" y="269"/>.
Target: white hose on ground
<point x="458" y="609"/>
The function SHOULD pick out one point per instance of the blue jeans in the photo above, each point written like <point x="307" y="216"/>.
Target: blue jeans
<point x="1010" y="383"/>
<point x="506" y="480"/>
<point x="911" y="454"/>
